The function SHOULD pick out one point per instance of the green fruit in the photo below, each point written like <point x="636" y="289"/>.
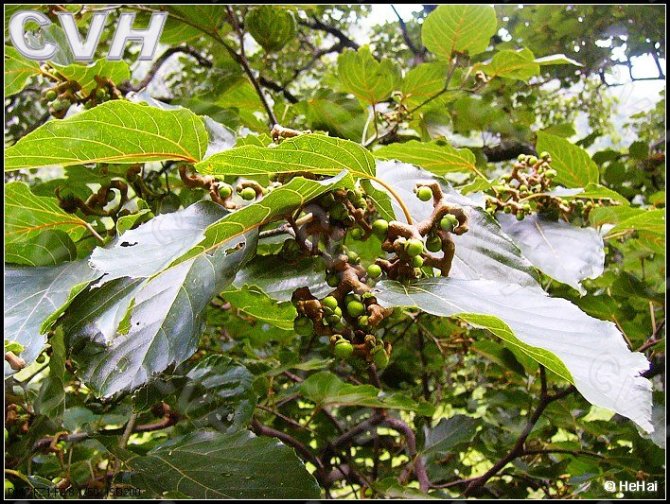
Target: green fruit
<point x="353" y="257"/>
<point x="523" y="188"/>
<point x="355" y="308"/>
<point x="532" y="160"/>
<point x="521" y="158"/>
<point x="332" y="281"/>
<point x="303" y="326"/>
<point x="363" y="321"/>
<point x="527" y="208"/>
<point x="339" y="212"/>
<point x="337" y="311"/>
<point x="507" y="209"/>
<point x="380" y="228"/>
<point x="248" y="193"/>
<point x="9" y="487"/>
<point x="520" y="215"/>
<point x="544" y="155"/>
<point x="417" y="261"/>
<point x="449" y="222"/>
<point x="51" y="95"/>
<point x="380" y="358"/>
<point x="424" y="193"/>
<point x="333" y="319"/>
<point x="357" y="233"/>
<point x="360" y="203"/>
<point x="434" y="243"/>
<point x="343" y="349"/>
<point x="340" y="326"/>
<point x="225" y="191"/>
<point x="374" y="271"/>
<point x="351" y="297"/>
<point x="550" y="173"/>
<point x="329" y="302"/>
<point x="100" y="93"/>
<point x="414" y="247"/>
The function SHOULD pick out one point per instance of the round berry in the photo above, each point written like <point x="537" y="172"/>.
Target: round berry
<point x="343" y="349"/>
<point x="51" y="95"/>
<point x="363" y="321"/>
<point x="353" y="257"/>
<point x="523" y="188"/>
<point x="449" y="222"/>
<point x="355" y="308"/>
<point x="550" y="173"/>
<point x="360" y="203"/>
<point x="380" y="358"/>
<point x="521" y="158"/>
<point x="374" y="271"/>
<point x="248" y="193"/>
<point x="545" y="155"/>
<point x="417" y="261"/>
<point x="507" y="209"/>
<point x="424" y="193"/>
<point x="520" y="215"/>
<point x="303" y="326"/>
<point x="352" y="297"/>
<point x="357" y="233"/>
<point x="414" y="247"/>
<point x="532" y="160"/>
<point x="225" y="190"/>
<point x="9" y="487"/>
<point x="327" y="201"/>
<point x="380" y="228"/>
<point x="100" y="93"/>
<point x="329" y="302"/>
<point x="434" y="243"/>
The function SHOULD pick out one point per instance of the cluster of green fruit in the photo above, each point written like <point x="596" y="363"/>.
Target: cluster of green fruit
<point x="530" y="179"/>
<point x="247" y="193"/>
<point x="65" y="94"/>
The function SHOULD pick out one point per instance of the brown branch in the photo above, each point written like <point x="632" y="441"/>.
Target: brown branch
<point x="507" y="150"/>
<point x="418" y="52"/>
<point x="264" y="430"/>
<point x="163" y="58"/>
<point x="518" y="448"/>
<point x="316" y="24"/>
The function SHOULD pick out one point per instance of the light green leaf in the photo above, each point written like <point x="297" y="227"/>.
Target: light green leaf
<point x="27" y="216"/>
<point x="50" y="401"/>
<point x="271" y="27"/>
<point x="423" y="81"/>
<point x="35" y="297"/>
<point x="437" y="156"/>
<point x="593" y="192"/>
<point x="369" y="80"/>
<point x="116" y="71"/>
<point x="310" y="153"/>
<point x="326" y="389"/>
<point x="519" y="65"/>
<point x="627" y="219"/>
<point x="588" y="352"/>
<point x="459" y="28"/>
<point x="116" y="131"/>
<point x="48" y="248"/>
<point x="574" y="165"/>
<point x="18" y="70"/>
<point x="565" y="252"/>
<point x="255" y="303"/>
<point x="211" y="465"/>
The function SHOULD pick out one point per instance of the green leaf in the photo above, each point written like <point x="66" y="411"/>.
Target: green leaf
<point x="627" y="219"/>
<point x="255" y="303"/>
<point x="35" y="297"/>
<point x="565" y="130"/>
<point x="459" y="28"/>
<point x="423" y="81"/>
<point x="448" y="434"/>
<point x="270" y="26"/>
<point x="116" y="131"/>
<point x="565" y="252"/>
<point x="519" y="65"/>
<point x="147" y="249"/>
<point x="588" y="352"/>
<point x="437" y="156"/>
<point x="51" y="399"/>
<point x="27" y="216"/>
<point x="499" y="354"/>
<point x="574" y="165"/>
<point x="485" y="251"/>
<point x="278" y="203"/>
<point x="369" y="80"/>
<point x="216" y="392"/>
<point x="592" y="192"/>
<point x="326" y="389"/>
<point x="115" y="71"/>
<point x="48" y="248"/>
<point x="211" y="465"/>
<point x="205" y="17"/>
<point x="270" y="274"/>
<point x="18" y="70"/>
<point x="310" y="153"/>
<point x="334" y="113"/>
<point x="135" y="329"/>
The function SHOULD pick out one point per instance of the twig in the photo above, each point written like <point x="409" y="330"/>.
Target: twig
<point x="405" y="35"/>
<point x="316" y="24"/>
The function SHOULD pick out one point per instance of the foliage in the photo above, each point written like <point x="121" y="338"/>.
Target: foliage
<point x="280" y="263"/>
